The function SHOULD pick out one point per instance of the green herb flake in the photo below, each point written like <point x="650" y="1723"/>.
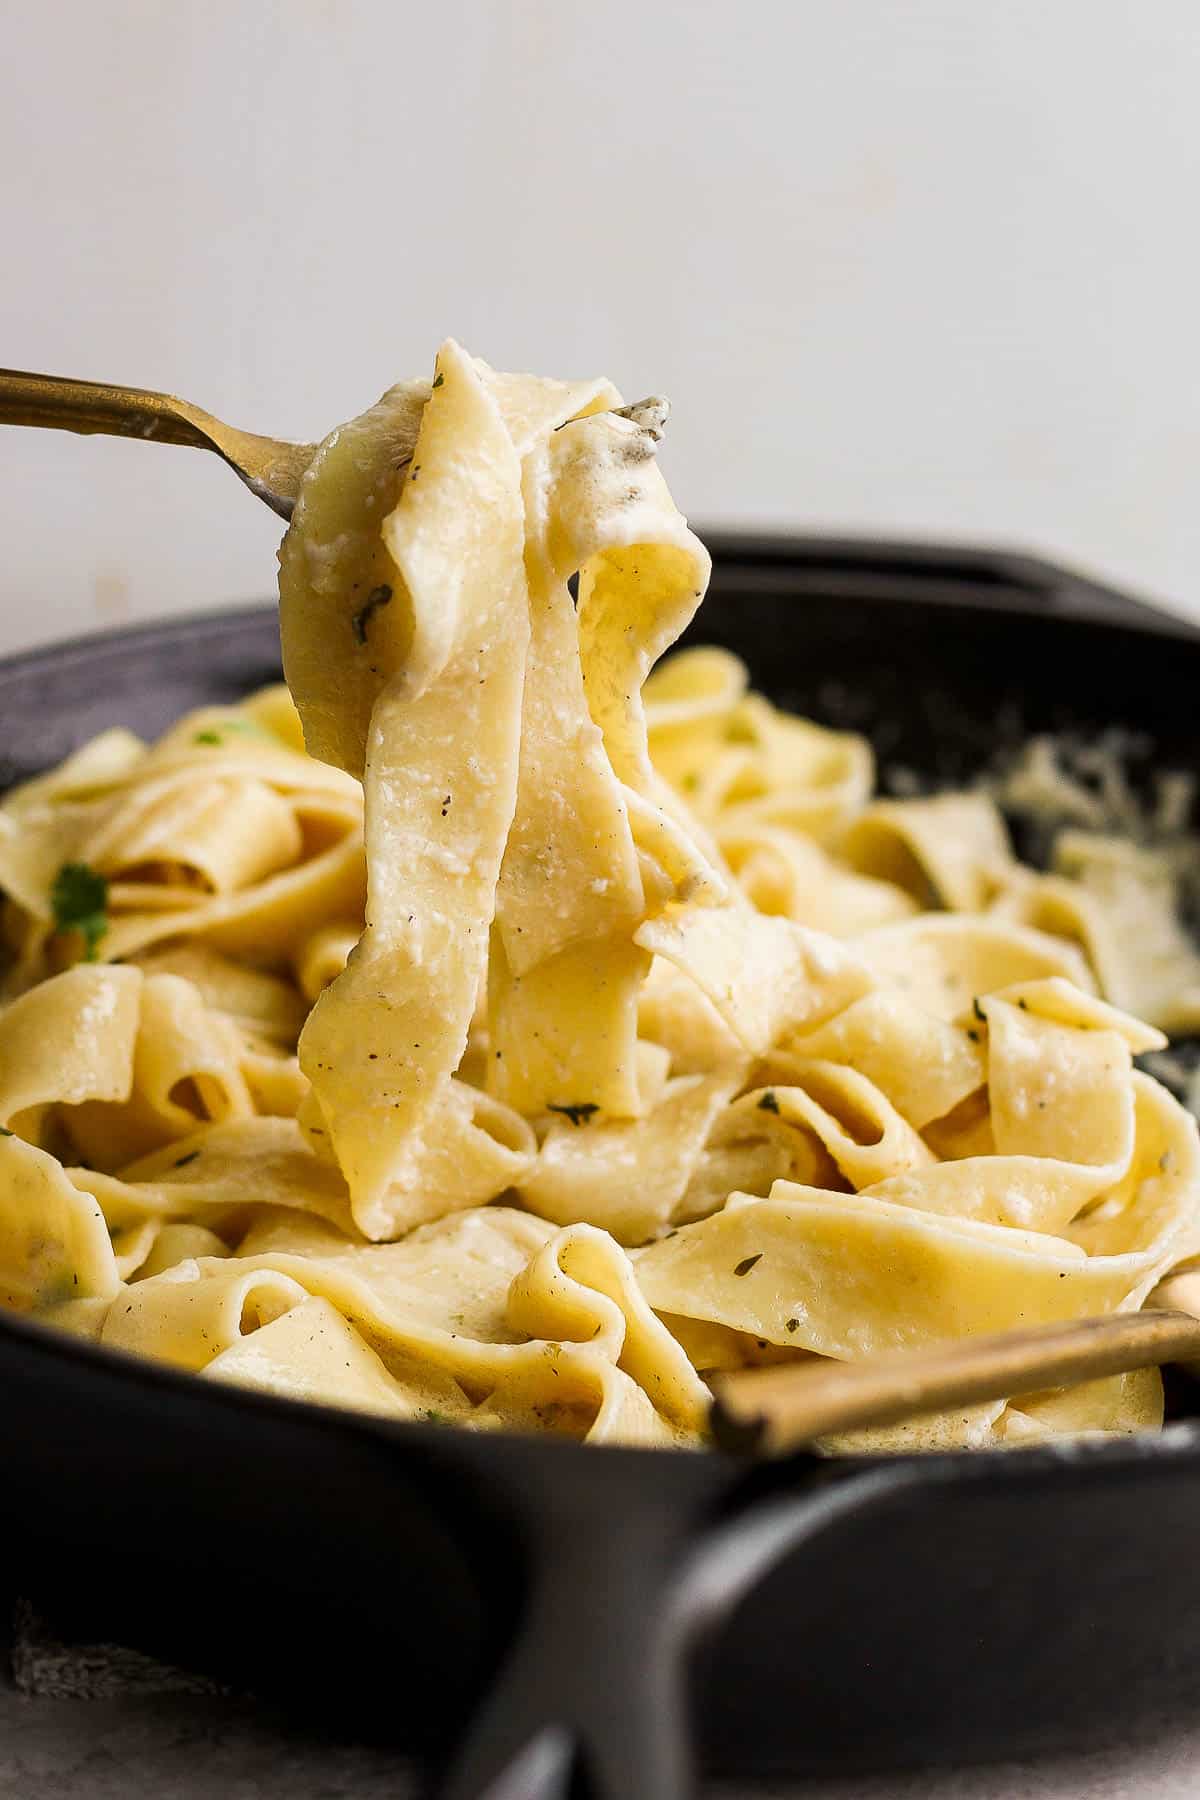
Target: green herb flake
<point x="79" y="897"/>
<point x="5" y="1132"/>
<point x="578" y="1115"/>
<point x="433" y="1417"/>
<point x="438" y="379"/>
<point x="380" y="596"/>
<point x="792" y="1325"/>
<point x="747" y="1263"/>
<point x="769" y="1103"/>
<point x="978" y="1010"/>
<point x="214" y="734"/>
<point x="185" y="1160"/>
<point x="972" y="1034"/>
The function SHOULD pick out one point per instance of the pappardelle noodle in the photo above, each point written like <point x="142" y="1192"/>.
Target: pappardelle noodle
<point x="506" y="1031"/>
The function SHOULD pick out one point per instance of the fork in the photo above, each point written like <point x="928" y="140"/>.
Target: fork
<point x="772" y="1411"/>
<point x="270" y="467"/>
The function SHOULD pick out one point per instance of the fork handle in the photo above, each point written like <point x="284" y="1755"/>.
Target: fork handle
<point x="99" y="406"/>
<point x="772" y="1411"/>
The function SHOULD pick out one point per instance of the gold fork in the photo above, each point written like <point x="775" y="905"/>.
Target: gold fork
<point x="270" y="467"/>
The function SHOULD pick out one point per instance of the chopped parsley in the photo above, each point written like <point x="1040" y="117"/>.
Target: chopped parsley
<point x="244" y="727"/>
<point x="185" y="1160"/>
<point x="578" y="1115"/>
<point x="5" y="1132"/>
<point x="380" y="596"/>
<point x="792" y="1325"/>
<point x="747" y="1263"/>
<point x="438" y="379"/>
<point x="978" y="1010"/>
<point x="433" y="1417"/>
<point x="79" y="898"/>
<point x="769" y="1103"/>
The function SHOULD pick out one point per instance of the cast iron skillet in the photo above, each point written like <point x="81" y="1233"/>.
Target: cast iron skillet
<point x="622" y="1611"/>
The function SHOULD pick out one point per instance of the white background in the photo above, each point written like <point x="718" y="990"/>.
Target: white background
<point x="920" y="266"/>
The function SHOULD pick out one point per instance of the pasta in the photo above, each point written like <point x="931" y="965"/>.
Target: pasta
<point x="510" y="1028"/>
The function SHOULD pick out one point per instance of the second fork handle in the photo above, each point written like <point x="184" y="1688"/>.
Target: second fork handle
<point x="774" y="1410"/>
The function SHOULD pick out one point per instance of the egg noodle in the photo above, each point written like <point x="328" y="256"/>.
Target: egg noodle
<point x="551" y="1033"/>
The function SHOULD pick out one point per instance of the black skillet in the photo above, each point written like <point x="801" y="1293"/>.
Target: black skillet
<point x="605" y="1617"/>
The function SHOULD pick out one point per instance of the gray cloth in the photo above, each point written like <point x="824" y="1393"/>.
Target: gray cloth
<point x="44" y="1667"/>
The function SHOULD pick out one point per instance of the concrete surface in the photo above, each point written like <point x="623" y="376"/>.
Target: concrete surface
<point x="178" y="1747"/>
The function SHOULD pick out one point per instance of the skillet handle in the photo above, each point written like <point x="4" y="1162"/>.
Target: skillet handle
<point x="590" y="1702"/>
<point x="628" y="1583"/>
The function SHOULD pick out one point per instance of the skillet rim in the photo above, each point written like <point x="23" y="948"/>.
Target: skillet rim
<point x="949" y="574"/>
<point x="1177" y="1444"/>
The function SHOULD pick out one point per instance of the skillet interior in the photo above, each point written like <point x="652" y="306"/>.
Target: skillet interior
<point x="1001" y="1604"/>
